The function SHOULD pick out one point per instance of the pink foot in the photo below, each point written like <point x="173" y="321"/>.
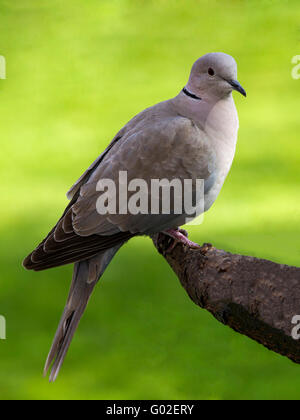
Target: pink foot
<point x="180" y="236"/>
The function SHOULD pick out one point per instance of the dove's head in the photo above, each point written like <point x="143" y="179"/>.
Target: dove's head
<point x="214" y="76"/>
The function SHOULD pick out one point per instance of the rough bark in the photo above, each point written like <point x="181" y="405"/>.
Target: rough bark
<point x="255" y="297"/>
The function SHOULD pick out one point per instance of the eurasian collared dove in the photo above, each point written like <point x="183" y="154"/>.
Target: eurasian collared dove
<point x="192" y="136"/>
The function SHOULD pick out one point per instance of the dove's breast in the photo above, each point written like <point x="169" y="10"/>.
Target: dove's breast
<point x="221" y="126"/>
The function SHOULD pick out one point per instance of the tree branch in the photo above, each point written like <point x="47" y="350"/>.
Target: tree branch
<point x="255" y="297"/>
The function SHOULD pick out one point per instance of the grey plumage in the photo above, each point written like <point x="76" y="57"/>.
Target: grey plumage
<point x="85" y="277"/>
<point x="185" y="138"/>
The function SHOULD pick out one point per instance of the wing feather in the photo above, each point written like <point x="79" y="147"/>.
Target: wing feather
<point x="152" y="145"/>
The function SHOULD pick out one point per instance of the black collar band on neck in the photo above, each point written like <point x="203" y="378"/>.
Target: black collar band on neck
<point x="191" y="95"/>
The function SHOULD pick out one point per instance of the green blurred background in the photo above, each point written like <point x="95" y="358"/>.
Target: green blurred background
<point x="77" y="71"/>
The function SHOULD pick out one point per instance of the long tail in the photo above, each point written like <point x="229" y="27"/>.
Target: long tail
<point x="85" y="276"/>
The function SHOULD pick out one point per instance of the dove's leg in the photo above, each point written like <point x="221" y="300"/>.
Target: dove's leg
<point x="180" y="236"/>
<point x="85" y="277"/>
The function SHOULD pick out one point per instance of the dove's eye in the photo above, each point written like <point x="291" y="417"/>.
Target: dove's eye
<point x="211" y="71"/>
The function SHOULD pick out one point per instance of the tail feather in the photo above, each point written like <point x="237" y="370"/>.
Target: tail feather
<point x="85" y="276"/>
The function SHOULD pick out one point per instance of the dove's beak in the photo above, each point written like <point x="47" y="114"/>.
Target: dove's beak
<point x="237" y="86"/>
